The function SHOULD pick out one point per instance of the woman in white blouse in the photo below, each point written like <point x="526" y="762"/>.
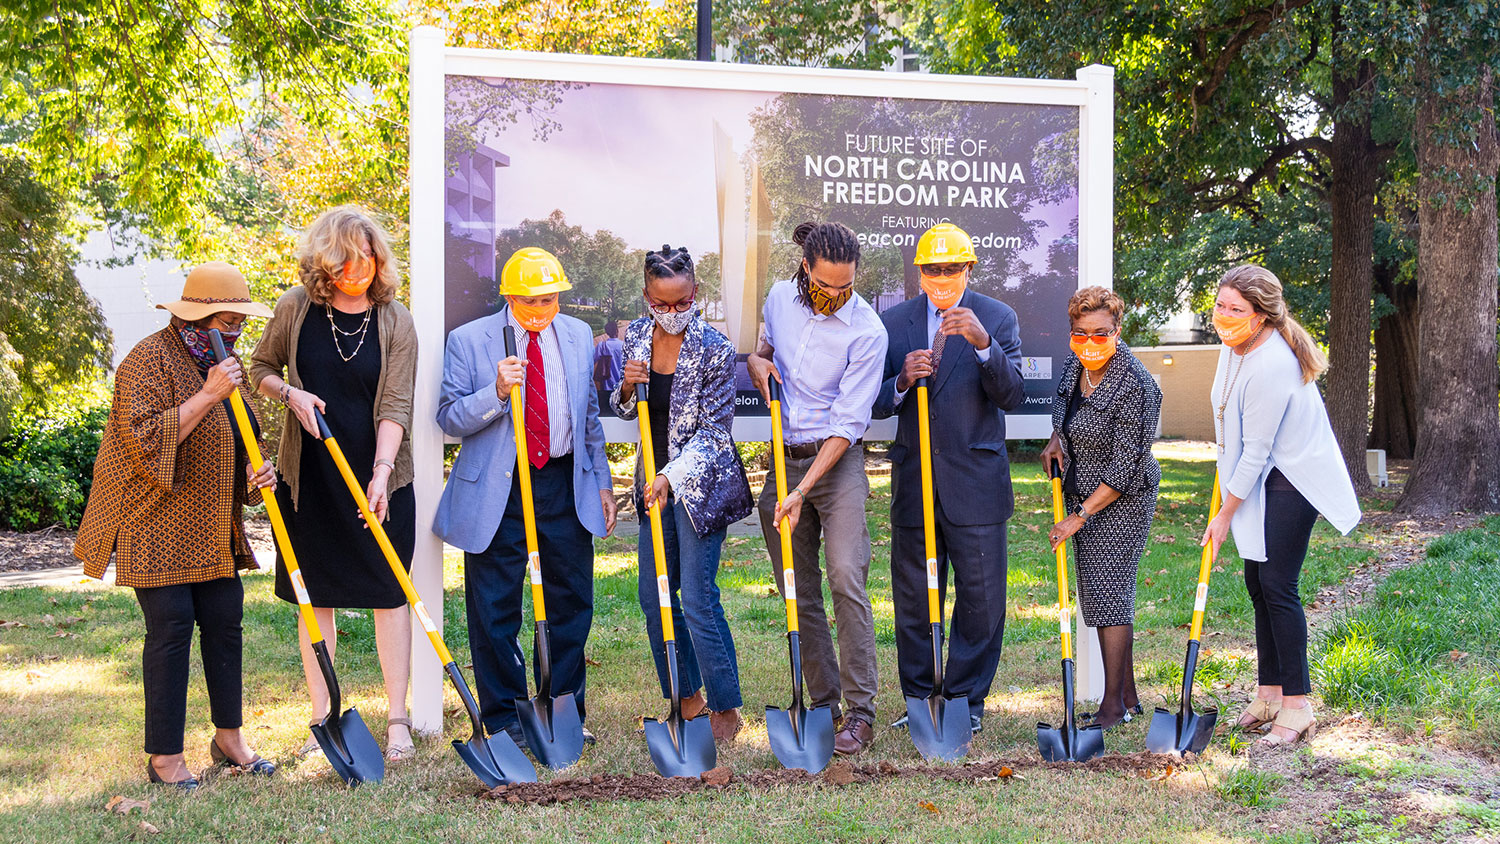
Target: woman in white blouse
<point x="1279" y="467"/>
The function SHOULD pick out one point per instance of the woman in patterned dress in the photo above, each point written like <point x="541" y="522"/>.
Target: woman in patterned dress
<point x="1103" y="424"/>
<point x="166" y="508"/>
<point x="341" y="342"/>
<point x="688" y="368"/>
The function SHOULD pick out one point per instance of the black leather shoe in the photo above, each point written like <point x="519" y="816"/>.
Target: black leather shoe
<point x="976" y="724"/>
<point x="900" y="723"/>
<point x="259" y="766"/>
<point x="186" y="786"/>
<point x="588" y="737"/>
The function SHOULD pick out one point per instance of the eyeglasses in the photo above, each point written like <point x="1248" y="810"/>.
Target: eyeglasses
<point x="663" y="308"/>
<point x="935" y="270"/>
<point x="1097" y="338"/>
<point x="231" y="327"/>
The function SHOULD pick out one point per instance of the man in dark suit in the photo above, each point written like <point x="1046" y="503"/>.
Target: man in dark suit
<point x="968" y="346"/>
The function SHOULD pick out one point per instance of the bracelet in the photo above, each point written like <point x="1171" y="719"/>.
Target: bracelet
<point x="384" y="462"/>
<point x="286" y="391"/>
<point x="797" y="490"/>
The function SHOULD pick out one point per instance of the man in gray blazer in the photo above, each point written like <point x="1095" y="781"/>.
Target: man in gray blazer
<point x="481" y="512"/>
<point x="968" y="346"/>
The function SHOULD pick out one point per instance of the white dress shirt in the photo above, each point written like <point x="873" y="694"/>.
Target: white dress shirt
<point x="559" y="408"/>
<point x="934" y="321"/>
<point x="831" y="365"/>
<point x="1274" y="420"/>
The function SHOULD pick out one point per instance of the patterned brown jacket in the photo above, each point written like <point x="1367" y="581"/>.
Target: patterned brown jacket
<point x="169" y="513"/>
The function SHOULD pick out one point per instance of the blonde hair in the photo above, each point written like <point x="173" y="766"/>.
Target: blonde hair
<point x="336" y="237"/>
<point x="1262" y="289"/>
<point x="1090" y="299"/>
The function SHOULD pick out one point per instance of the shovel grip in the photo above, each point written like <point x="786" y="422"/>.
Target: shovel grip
<point x="1064" y="620"/>
<point x="778" y="460"/>
<point x="1205" y="567"/>
<point x="523" y="477"/>
<point x="378" y="531"/>
<point x="648" y="464"/>
<point x="273" y="508"/>
<point x="929" y="516"/>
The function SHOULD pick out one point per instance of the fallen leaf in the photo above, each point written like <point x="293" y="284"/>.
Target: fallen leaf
<point x="1147" y="581"/>
<point x="62" y="634"/>
<point x="121" y="805"/>
<point x="1162" y="571"/>
<point x="928" y="806"/>
<point x="1218" y="568"/>
<point x="48" y="621"/>
<point x="70" y="621"/>
<point x="149" y="829"/>
<point x="590" y="661"/>
<point x="1164" y="774"/>
<point x="1457" y="655"/>
<point x="257" y="712"/>
<point x="12" y="624"/>
<point x="33" y="676"/>
<point x="1006" y="772"/>
<point x="1031" y="527"/>
<point x="56" y="602"/>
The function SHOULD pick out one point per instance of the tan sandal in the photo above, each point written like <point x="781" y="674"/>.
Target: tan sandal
<point x="398" y="752"/>
<point x="1299" y="721"/>
<point x="1261" y="712"/>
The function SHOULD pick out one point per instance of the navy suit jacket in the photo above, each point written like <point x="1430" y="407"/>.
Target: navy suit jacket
<point x="967" y="401"/>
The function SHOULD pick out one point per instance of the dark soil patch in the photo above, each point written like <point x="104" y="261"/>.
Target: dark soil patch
<point x="650" y="787"/>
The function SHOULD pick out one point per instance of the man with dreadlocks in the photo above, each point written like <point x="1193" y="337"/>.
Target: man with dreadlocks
<point x="826" y="346"/>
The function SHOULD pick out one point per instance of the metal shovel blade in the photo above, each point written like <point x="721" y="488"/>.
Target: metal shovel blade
<point x="801" y="738"/>
<point x="1068" y="743"/>
<point x="679" y="747"/>
<point x="495" y="760"/>
<point x="1180" y="732"/>
<point x="939" y="726"/>
<point x="553" y="729"/>
<point x="350" y="748"/>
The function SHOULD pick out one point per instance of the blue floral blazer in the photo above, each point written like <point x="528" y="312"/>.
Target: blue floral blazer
<point x="702" y="465"/>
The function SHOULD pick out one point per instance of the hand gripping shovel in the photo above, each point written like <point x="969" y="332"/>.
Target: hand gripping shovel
<point x="1185" y="731"/>
<point x="679" y="747"/>
<point x="939" y="727"/>
<point x="345" y="739"/>
<point x="800" y="737"/>
<point x="1066" y="743"/>
<point x="495" y="759"/>
<point x="553" y="727"/>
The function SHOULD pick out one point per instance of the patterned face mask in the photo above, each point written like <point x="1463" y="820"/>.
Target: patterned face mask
<point x="825" y="303"/>
<point x="199" y="346"/>
<point x="673" y="322"/>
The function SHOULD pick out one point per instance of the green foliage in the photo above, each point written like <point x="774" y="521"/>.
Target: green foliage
<point x="47" y="463"/>
<point x="1251" y="787"/>
<point x="808" y="32"/>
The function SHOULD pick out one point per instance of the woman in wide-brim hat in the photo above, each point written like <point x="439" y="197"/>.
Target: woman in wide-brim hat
<point x="170" y="481"/>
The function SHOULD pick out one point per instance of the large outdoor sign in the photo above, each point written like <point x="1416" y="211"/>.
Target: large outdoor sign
<point x="601" y="159"/>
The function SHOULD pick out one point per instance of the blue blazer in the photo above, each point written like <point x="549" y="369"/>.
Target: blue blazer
<point x="966" y="401"/>
<point x="479" y="486"/>
<point x="701" y="462"/>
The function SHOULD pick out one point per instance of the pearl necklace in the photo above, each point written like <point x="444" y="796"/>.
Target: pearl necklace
<point x="363" y="329"/>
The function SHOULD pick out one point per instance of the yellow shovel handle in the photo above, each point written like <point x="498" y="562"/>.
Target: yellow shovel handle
<point x="1064" y="617"/>
<point x="778" y="459"/>
<point x="929" y="517"/>
<point x="384" y="542"/>
<point x="528" y="513"/>
<point x="1205" y="565"/>
<point x="663" y="585"/>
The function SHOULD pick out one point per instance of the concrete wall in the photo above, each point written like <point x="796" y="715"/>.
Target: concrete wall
<point x="128" y="294"/>
<point x="1186" y="407"/>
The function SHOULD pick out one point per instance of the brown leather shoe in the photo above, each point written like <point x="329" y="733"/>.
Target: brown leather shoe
<point x="725" y="725"/>
<point x="855" y="736"/>
<point x="694" y="706"/>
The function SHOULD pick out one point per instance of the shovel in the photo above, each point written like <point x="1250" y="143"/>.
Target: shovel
<point x="800" y="737"/>
<point x="939" y="727"/>
<point x="552" y="726"/>
<point x="1186" y="731"/>
<point x="679" y="747"/>
<point x="495" y="759"/>
<point x="345" y="739"/>
<point x="1066" y="743"/>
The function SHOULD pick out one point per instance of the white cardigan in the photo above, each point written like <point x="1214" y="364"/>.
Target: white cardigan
<point x="1274" y="420"/>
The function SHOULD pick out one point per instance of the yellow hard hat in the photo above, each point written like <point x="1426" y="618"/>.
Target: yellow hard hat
<point x="945" y="243"/>
<point x="533" y="272"/>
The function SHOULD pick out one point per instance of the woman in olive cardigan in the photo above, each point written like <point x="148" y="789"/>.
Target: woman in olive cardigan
<point x="341" y="343"/>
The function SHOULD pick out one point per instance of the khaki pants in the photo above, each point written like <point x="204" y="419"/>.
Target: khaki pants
<point x="835" y="509"/>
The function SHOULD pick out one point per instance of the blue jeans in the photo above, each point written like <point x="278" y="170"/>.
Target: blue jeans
<point x="705" y="648"/>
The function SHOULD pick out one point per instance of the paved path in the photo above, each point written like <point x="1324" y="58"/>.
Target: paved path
<point x="73" y="575"/>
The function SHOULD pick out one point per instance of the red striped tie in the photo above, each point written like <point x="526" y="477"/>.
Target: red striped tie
<point x="538" y="435"/>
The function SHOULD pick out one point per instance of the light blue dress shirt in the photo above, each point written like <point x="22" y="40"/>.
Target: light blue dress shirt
<point x="831" y="366"/>
<point x="934" y="320"/>
<point x="559" y="408"/>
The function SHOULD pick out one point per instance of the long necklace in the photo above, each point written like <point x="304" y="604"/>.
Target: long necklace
<point x="1090" y="381"/>
<point x="364" y="328"/>
<point x="1230" y="382"/>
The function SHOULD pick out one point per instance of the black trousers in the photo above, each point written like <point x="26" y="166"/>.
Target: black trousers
<point x="495" y="579"/>
<point x="977" y="555"/>
<point x="1280" y="624"/>
<point x="217" y="608"/>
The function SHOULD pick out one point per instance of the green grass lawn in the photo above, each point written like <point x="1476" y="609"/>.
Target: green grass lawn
<point x="70" y="714"/>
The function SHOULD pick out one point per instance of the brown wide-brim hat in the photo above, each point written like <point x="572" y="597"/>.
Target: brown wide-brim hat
<point x="211" y="288"/>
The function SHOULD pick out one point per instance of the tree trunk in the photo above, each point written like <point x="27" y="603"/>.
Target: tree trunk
<point x="1394" y="427"/>
<point x="1458" y="451"/>
<point x="1352" y="201"/>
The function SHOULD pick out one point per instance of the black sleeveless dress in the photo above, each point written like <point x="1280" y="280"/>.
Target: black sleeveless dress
<point x="339" y="558"/>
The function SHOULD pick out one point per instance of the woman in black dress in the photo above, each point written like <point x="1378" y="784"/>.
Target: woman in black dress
<point x="1103" y="424"/>
<point x="341" y="343"/>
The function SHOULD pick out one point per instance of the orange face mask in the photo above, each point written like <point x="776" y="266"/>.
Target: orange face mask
<point x="1093" y="351"/>
<point x="533" y="317"/>
<point x="944" y="291"/>
<point x="354" y="282"/>
<point x="1235" y="330"/>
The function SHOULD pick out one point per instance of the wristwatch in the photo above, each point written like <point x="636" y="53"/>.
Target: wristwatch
<point x="1082" y="513"/>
